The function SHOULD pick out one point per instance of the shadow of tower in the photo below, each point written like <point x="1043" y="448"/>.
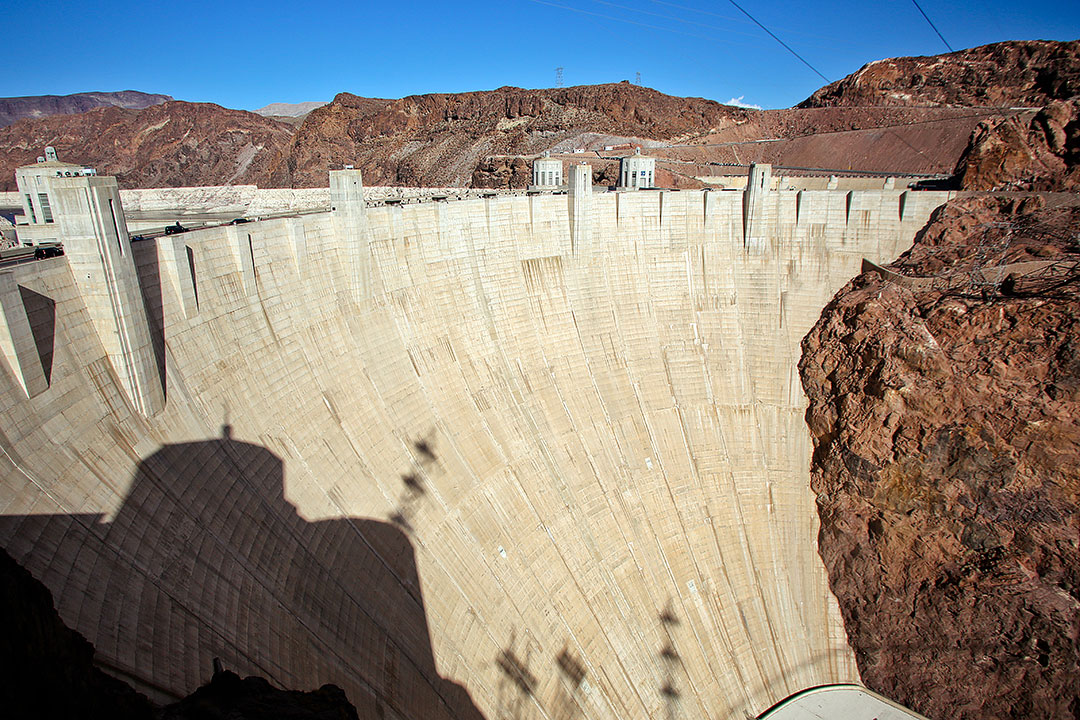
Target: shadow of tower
<point x="206" y="558"/>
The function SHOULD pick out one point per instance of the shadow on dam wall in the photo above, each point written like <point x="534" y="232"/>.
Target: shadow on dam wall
<point x="207" y="546"/>
<point x="612" y="427"/>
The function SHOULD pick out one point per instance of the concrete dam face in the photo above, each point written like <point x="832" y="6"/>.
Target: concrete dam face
<point x="516" y="457"/>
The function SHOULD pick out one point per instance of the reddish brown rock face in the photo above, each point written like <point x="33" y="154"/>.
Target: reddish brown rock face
<point x="13" y="109"/>
<point x="946" y="425"/>
<point x="502" y="173"/>
<point x="901" y="115"/>
<point x="1006" y="74"/>
<point x="174" y="144"/>
<point x="1040" y="152"/>
<point x="449" y="139"/>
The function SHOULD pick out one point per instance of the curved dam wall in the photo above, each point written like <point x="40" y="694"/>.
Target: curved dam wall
<point x="522" y="457"/>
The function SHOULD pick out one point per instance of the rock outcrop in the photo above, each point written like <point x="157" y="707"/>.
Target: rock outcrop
<point x="476" y="138"/>
<point x="502" y="172"/>
<point x="1005" y="74"/>
<point x="441" y="139"/>
<point x="945" y="411"/>
<point x="253" y="698"/>
<point x="48" y="669"/>
<point x="13" y="109"/>
<point x="903" y="115"/>
<point x="49" y="672"/>
<point x="1040" y="152"/>
<point x="169" y="145"/>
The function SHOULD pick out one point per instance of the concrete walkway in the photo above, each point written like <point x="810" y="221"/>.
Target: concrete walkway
<point x="838" y="702"/>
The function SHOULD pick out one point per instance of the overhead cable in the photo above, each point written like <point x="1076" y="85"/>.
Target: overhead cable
<point x="933" y="25"/>
<point x="676" y="19"/>
<point x="786" y="47"/>
<point x="622" y="20"/>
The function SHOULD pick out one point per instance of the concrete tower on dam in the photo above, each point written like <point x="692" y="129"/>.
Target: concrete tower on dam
<point x="547" y="172"/>
<point x="637" y="171"/>
<point x="522" y="456"/>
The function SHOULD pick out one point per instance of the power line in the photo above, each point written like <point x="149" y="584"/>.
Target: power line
<point x="676" y="19"/>
<point x="933" y="26"/>
<point x="711" y="38"/>
<point x="801" y="58"/>
<point x="787" y="31"/>
<point x="661" y="15"/>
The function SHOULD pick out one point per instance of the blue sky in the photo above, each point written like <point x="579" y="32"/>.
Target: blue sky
<point x="248" y="54"/>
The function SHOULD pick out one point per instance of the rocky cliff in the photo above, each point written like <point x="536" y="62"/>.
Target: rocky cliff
<point x="945" y="410"/>
<point x="891" y="116"/>
<point x="13" y="109"/>
<point x="172" y="144"/>
<point x="441" y="139"/>
<point x="476" y="138"/>
<point x="1006" y="74"/>
<point x="1025" y="152"/>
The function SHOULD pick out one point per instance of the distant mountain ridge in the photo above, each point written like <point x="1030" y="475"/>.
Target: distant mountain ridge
<point x="900" y="115"/>
<point x="13" y="109"/>
<point x="175" y="144"/>
<point x="279" y="109"/>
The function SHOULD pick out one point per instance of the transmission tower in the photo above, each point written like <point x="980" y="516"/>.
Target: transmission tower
<point x="637" y="78"/>
<point x="558" y="77"/>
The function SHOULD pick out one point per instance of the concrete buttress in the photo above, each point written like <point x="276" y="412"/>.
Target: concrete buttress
<point x="350" y="226"/>
<point x="17" y="339"/>
<point x="758" y="186"/>
<point x="580" y="205"/>
<point x="99" y="253"/>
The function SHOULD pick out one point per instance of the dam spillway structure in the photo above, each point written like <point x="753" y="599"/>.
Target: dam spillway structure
<point x="520" y="456"/>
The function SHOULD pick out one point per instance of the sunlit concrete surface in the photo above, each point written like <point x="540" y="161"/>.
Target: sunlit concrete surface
<point x="849" y="702"/>
<point x="528" y="457"/>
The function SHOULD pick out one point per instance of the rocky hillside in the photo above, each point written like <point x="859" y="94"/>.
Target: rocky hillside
<point x="945" y="411"/>
<point x="13" y="109"/>
<point x="440" y="139"/>
<point x="905" y="115"/>
<point x="1040" y="152"/>
<point x="1007" y="74"/>
<point x="172" y="144"/>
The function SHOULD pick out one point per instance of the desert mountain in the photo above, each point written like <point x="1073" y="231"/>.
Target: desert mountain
<point x="13" y="109"/>
<point x="1006" y="74"/>
<point x="904" y="115"/>
<point x="439" y="139"/>
<point x="168" y="145"/>
<point x="910" y="115"/>
<point x="289" y="109"/>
